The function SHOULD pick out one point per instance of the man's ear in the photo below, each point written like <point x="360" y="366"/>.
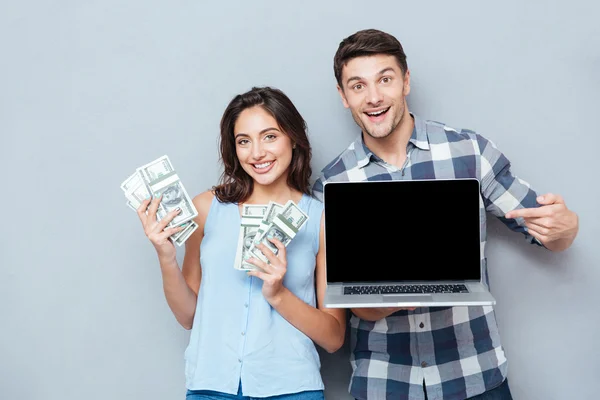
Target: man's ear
<point x="343" y="96"/>
<point x="407" y="82"/>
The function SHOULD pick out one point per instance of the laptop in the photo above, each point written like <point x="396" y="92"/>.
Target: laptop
<point x="413" y="243"/>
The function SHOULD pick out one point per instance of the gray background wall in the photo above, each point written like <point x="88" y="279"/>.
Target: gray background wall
<point x="89" y="90"/>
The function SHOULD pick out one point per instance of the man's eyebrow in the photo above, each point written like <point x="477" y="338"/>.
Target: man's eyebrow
<point x="358" y="78"/>
<point x="353" y="78"/>
<point x="388" y="69"/>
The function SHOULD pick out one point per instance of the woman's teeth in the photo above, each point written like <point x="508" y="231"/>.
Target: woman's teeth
<point x="263" y="165"/>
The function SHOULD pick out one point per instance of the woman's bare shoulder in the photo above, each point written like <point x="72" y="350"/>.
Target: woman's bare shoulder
<point x="202" y="202"/>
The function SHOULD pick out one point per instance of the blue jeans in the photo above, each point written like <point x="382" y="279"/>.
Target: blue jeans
<point x="211" y="395"/>
<point x="501" y="392"/>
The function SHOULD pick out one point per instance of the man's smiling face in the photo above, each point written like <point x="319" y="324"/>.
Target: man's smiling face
<point x="374" y="89"/>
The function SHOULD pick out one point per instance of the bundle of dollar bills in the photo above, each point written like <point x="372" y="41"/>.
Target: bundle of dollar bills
<point x="260" y="222"/>
<point x="160" y="178"/>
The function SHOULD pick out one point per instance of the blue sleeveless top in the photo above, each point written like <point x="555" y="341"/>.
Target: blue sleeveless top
<point x="236" y="334"/>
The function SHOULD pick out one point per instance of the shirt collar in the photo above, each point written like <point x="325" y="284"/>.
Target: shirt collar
<point x="418" y="138"/>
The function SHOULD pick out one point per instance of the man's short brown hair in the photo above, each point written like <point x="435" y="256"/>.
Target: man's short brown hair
<point x="368" y="42"/>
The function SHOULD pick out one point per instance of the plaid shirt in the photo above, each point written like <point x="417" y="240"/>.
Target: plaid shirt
<point x="455" y="350"/>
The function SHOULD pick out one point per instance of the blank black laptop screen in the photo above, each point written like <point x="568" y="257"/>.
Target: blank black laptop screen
<point x="402" y="231"/>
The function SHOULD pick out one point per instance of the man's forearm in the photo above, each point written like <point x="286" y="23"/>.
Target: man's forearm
<point x="374" y="314"/>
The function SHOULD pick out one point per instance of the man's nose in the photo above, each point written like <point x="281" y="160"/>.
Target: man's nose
<point x="374" y="96"/>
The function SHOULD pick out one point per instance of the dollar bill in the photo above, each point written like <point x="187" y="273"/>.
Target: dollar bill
<point x="130" y="205"/>
<point x="284" y="227"/>
<point x="132" y="181"/>
<point x="254" y="210"/>
<point x="185" y="226"/>
<point x="136" y="189"/>
<point x="174" y="196"/>
<point x="184" y="234"/>
<point x="273" y="209"/>
<point x="252" y="216"/>
<point x="292" y="216"/>
<point x="158" y="178"/>
<point x="157" y="168"/>
<point x="162" y="179"/>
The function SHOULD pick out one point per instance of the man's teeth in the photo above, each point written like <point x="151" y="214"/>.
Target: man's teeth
<point x="263" y="165"/>
<point x="374" y="114"/>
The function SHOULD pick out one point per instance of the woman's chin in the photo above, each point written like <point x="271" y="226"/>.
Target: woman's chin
<point x="267" y="179"/>
<point x="263" y="181"/>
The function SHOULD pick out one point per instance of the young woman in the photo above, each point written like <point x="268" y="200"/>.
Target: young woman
<point x="253" y="333"/>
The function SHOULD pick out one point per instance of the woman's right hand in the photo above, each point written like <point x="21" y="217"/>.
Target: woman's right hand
<point x="155" y="230"/>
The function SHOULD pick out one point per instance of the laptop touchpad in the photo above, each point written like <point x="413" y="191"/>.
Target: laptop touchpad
<point x="413" y="298"/>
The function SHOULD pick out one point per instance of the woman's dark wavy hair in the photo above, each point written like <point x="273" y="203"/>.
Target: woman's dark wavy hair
<point x="235" y="185"/>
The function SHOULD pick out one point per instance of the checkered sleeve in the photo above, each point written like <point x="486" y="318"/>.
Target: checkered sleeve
<point x="317" y="188"/>
<point x="501" y="190"/>
<point x="340" y="169"/>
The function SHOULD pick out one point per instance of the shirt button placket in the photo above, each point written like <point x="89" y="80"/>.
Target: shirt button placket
<point x="418" y="315"/>
<point x="244" y="326"/>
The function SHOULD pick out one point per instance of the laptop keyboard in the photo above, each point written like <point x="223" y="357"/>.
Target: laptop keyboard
<point x="406" y="289"/>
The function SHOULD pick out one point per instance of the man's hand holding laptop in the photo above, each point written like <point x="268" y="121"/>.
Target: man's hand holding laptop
<point x="375" y="314"/>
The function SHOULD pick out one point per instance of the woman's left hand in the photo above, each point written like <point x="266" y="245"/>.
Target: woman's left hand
<point x="271" y="274"/>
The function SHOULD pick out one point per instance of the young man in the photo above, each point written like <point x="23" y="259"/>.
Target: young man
<point x="449" y="353"/>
